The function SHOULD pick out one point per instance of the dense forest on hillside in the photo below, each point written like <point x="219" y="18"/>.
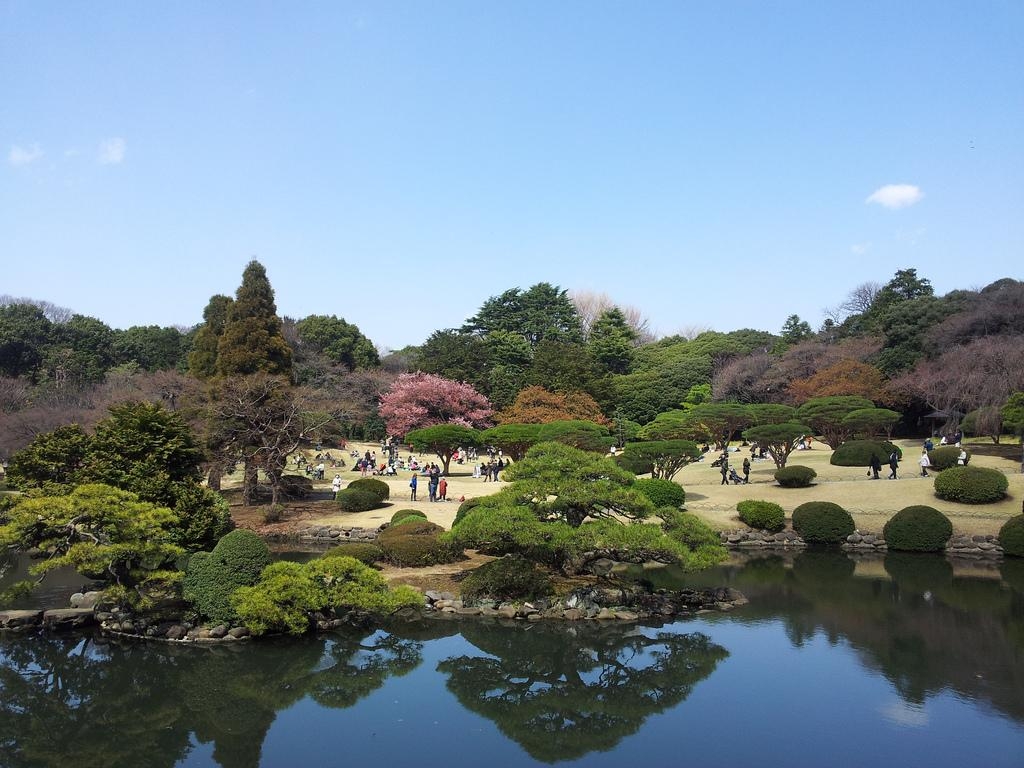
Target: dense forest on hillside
<point x="939" y="361"/>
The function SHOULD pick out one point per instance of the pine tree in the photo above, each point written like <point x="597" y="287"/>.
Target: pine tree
<point x="202" y="360"/>
<point x="252" y="340"/>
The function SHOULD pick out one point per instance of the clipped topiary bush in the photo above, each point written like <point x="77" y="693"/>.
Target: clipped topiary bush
<point x="822" y="522"/>
<point x="663" y="493"/>
<point x="764" y="515"/>
<point x="296" y="486"/>
<point x="357" y="499"/>
<point x="362" y="551"/>
<point x="378" y="487"/>
<point x="211" y="577"/>
<point x="509" y="578"/>
<point x="918" y="528"/>
<point x="858" y="453"/>
<point x="407" y="513"/>
<point x="971" y="485"/>
<point x="1011" y="536"/>
<point x="407" y="519"/>
<point x="795" y="476"/>
<point x="945" y="456"/>
<point x="416" y="544"/>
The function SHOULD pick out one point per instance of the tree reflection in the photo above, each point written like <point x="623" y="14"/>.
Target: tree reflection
<point x="90" y="703"/>
<point x="564" y="691"/>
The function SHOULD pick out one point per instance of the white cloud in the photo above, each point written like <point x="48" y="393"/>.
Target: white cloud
<point x="896" y="195"/>
<point x="19" y="156"/>
<point x="859" y="249"/>
<point x="112" y="151"/>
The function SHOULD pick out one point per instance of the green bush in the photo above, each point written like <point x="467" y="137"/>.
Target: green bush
<point x="362" y="551"/>
<point x="465" y="507"/>
<point x="765" y="515"/>
<point x="378" y="487"/>
<point x="408" y="519"/>
<point x="417" y="544"/>
<point x="357" y="499"/>
<point x="971" y="485"/>
<point x="687" y="528"/>
<point x="296" y="486"/>
<point x="945" y="456"/>
<point x="407" y="513"/>
<point x="211" y="577"/>
<point x="663" y="493"/>
<point x="795" y="476"/>
<point x="509" y="578"/>
<point x="858" y="453"/>
<point x="822" y="522"/>
<point x="918" y="529"/>
<point x="1011" y="536"/>
<point x="288" y="593"/>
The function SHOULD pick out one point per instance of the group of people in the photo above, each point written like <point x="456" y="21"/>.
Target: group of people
<point x="730" y="475"/>
<point x="489" y="471"/>
<point x="437" y="486"/>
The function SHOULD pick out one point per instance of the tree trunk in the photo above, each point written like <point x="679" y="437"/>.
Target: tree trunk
<point x="249" y="483"/>
<point x="214" y="476"/>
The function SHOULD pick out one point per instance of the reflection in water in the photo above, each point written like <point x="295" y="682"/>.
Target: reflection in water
<point x="561" y="691"/>
<point x="145" y="705"/>
<point x="911" y="618"/>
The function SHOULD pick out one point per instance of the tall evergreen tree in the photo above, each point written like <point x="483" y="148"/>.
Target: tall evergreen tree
<point x="252" y="341"/>
<point x="611" y="341"/>
<point x="202" y="361"/>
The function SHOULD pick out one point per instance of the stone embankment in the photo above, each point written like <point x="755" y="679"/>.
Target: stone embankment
<point x="592" y="603"/>
<point x="978" y="546"/>
<point x="324" y="534"/>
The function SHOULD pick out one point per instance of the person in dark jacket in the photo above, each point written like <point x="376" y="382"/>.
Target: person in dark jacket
<point x="894" y="464"/>
<point x="876" y="465"/>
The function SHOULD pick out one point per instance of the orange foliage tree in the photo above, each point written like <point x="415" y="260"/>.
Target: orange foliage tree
<point x="847" y="377"/>
<point x="536" y="405"/>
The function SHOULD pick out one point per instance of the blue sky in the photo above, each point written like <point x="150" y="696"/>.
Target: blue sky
<point x="715" y="164"/>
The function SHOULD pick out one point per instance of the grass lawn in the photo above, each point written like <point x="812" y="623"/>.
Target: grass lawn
<point x="871" y="502"/>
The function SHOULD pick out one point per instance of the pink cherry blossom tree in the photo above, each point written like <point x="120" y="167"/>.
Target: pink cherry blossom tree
<point x="418" y="400"/>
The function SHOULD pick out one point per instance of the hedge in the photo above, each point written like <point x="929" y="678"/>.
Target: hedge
<point x="378" y="487"/>
<point x="509" y="578"/>
<point x="945" y="456"/>
<point x="663" y="493"/>
<point x="822" y="522"/>
<point x="407" y="513"/>
<point x="364" y="552"/>
<point x="357" y="499"/>
<point x="971" y="485"/>
<point x="795" y="476"/>
<point x="858" y="453"/>
<point x="765" y="515"/>
<point x="918" y="528"/>
<point x="1011" y="536"/>
<point x="416" y="544"/>
<point x="211" y="577"/>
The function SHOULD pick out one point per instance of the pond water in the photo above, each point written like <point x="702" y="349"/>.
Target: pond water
<point x="894" y="661"/>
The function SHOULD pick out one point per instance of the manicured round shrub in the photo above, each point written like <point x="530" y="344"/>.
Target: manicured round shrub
<point x="509" y="578"/>
<point x="795" y="476"/>
<point x="408" y="519"/>
<point x="765" y="515"/>
<point x="211" y="577"/>
<point x="1011" y="536"/>
<point x="664" y="493"/>
<point x="822" y="522"/>
<point x="918" y="528"/>
<point x="378" y="487"/>
<point x="296" y="486"/>
<point x="858" y="453"/>
<point x="362" y="551"/>
<point x="945" y="456"/>
<point x="416" y="544"/>
<point x="971" y="485"/>
<point x="407" y="513"/>
<point x="357" y="499"/>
